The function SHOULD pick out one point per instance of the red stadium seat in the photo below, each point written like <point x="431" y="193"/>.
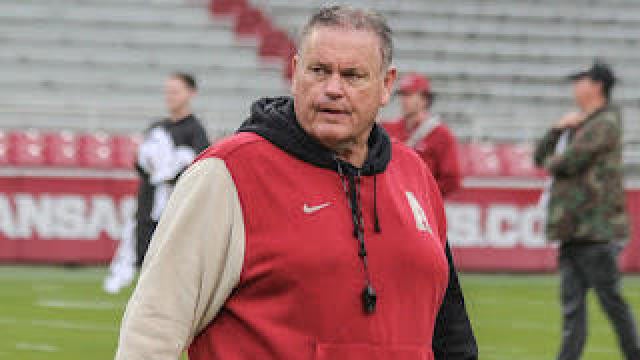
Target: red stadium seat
<point x="517" y="160"/>
<point x="463" y="158"/>
<point x="4" y="148"/>
<point x="125" y="149"/>
<point x="26" y="148"/>
<point x="482" y="160"/>
<point x="61" y="149"/>
<point x="276" y="43"/>
<point x="250" y="22"/>
<point x="227" y="7"/>
<point x="95" y="150"/>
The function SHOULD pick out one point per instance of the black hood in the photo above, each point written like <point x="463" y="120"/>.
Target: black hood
<point x="274" y="119"/>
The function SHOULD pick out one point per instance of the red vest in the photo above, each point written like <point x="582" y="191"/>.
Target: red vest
<point x="299" y="292"/>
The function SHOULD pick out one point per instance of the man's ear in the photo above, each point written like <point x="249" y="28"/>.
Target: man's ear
<point x="389" y="81"/>
<point x="295" y="62"/>
<point x="601" y="91"/>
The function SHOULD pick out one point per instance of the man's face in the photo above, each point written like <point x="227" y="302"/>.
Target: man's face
<point x="412" y="103"/>
<point x="177" y="94"/>
<point x="339" y="84"/>
<point x="585" y="90"/>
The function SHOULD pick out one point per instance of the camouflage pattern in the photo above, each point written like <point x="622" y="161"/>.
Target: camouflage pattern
<point x="587" y="201"/>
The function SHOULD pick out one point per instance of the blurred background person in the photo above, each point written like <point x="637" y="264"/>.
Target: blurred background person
<point x="169" y="147"/>
<point x="586" y="210"/>
<point x="423" y="131"/>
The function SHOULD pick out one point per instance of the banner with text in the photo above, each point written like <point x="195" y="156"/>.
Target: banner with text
<point x="502" y="229"/>
<point x="63" y="220"/>
<point x="79" y="219"/>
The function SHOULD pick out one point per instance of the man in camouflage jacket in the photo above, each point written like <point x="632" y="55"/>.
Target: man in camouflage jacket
<point x="587" y="197"/>
<point x="586" y="210"/>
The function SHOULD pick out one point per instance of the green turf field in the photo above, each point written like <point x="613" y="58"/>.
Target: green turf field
<point x="55" y="313"/>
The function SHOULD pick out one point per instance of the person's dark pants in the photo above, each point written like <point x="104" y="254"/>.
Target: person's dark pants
<point x="593" y="265"/>
<point x="144" y="232"/>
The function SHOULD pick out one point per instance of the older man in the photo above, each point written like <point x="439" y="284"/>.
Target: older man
<point x="307" y="235"/>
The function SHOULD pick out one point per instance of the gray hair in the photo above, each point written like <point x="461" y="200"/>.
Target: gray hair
<point x="356" y="19"/>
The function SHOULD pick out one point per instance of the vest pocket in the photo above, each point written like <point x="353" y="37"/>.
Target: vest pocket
<point x="326" y="351"/>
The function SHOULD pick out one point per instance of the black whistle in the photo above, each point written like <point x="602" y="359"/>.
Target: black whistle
<point x="369" y="299"/>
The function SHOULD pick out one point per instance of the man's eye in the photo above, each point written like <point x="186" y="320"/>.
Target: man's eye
<point x="353" y="76"/>
<point x="318" y="70"/>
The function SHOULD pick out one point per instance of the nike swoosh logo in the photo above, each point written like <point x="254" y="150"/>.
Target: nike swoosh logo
<point x="311" y="209"/>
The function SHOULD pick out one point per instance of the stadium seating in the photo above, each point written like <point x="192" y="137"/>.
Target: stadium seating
<point x="480" y="159"/>
<point x="26" y="148"/>
<point x="95" y="150"/>
<point x="227" y="7"/>
<point x="88" y="64"/>
<point x="100" y="150"/>
<point x="500" y="64"/>
<point x="497" y="65"/>
<point x="251" y="22"/>
<point x="484" y="159"/>
<point x="61" y="149"/>
<point x="4" y="148"/>
<point x="67" y="149"/>
<point x="124" y="150"/>
<point x="517" y="160"/>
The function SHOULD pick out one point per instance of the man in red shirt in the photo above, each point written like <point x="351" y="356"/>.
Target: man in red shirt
<point x="307" y="235"/>
<point x="423" y="131"/>
<point x="432" y="140"/>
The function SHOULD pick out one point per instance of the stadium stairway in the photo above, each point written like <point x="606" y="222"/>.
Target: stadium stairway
<point x="100" y="65"/>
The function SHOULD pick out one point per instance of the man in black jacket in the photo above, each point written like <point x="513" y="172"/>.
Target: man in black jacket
<point x="164" y="155"/>
<point x="169" y="146"/>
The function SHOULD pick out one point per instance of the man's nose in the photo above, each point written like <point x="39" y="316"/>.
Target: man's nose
<point x="334" y="88"/>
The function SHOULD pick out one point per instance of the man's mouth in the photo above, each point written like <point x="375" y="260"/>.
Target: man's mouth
<point x="333" y="111"/>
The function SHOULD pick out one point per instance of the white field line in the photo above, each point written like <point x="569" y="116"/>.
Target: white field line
<point x="79" y="304"/>
<point x="60" y="324"/>
<point x="58" y="274"/>
<point x="521" y="354"/>
<point x="519" y="324"/>
<point x="508" y="280"/>
<point x="37" y="347"/>
<point x="631" y="291"/>
<point x="494" y="301"/>
<point x="504" y="353"/>
<point x="601" y="350"/>
<point x="514" y="324"/>
<point x="46" y="287"/>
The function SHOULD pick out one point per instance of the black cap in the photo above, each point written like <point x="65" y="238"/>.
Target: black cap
<point x="600" y="72"/>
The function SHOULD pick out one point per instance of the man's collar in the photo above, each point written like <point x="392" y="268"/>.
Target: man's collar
<point x="428" y="119"/>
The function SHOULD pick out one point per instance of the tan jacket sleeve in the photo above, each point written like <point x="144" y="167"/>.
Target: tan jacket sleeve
<point x="194" y="262"/>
